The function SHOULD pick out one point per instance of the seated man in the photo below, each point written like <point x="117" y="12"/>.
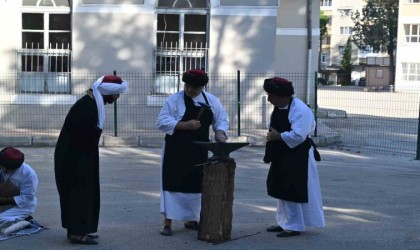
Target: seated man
<point x="18" y="183"/>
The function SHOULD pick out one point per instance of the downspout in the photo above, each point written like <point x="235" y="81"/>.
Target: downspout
<point x="309" y="53"/>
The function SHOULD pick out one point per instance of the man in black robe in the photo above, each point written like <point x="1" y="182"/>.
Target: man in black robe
<point x="76" y="160"/>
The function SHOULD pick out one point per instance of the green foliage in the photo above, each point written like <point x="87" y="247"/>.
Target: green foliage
<point x="377" y="27"/>
<point x="323" y="22"/>
<point x="346" y="62"/>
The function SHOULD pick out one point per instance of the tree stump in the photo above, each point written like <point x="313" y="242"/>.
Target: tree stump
<point x="217" y="201"/>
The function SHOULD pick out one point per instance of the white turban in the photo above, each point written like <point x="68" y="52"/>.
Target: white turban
<point x="107" y="85"/>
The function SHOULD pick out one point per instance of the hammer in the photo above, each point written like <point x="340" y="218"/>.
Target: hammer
<point x="203" y="108"/>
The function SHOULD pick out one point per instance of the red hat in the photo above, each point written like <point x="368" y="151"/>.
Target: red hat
<point x="195" y="77"/>
<point x="11" y="158"/>
<point x="112" y="79"/>
<point x="279" y="86"/>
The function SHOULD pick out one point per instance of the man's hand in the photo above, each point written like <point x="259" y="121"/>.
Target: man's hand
<point x="273" y="135"/>
<point x="220" y="136"/>
<point x="188" y="125"/>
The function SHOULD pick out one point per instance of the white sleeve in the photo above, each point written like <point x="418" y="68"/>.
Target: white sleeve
<point x="171" y="113"/>
<point x="220" y="119"/>
<point x="28" y="187"/>
<point x="302" y="121"/>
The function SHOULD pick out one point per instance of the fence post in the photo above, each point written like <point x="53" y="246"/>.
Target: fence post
<point x="264" y="113"/>
<point x="115" y="114"/>
<point x="239" y="101"/>
<point x="418" y="136"/>
<point x="316" y="104"/>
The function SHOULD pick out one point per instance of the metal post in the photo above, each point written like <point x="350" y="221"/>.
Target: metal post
<point x="115" y="114"/>
<point x="264" y="113"/>
<point x="239" y="101"/>
<point x="418" y="136"/>
<point x="316" y="104"/>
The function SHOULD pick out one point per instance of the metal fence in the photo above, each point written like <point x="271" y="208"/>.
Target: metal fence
<point x="365" y="120"/>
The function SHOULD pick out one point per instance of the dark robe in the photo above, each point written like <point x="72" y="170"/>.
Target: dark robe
<point x="76" y="165"/>
<point x="180" y="172"/>
<point x="288" y="175"/>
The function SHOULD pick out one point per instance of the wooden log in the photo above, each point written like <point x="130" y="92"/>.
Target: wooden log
<point x="217" y="201"/>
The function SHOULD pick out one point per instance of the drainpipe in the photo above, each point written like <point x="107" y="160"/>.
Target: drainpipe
<point x="309" y="55"/>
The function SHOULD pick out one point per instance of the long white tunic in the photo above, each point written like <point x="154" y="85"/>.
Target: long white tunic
<point x="175" y="205"/>
<point x="26" y="180"/>
<point x="291" y="215"/>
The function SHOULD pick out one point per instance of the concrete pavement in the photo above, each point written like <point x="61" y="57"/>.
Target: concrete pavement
<point x="370" y="202"/>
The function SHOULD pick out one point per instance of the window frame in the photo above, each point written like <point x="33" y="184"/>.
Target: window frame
<point x="167" y="81"/>
<point x="346" y="30"/>
<point x="409" y="37"/>
<point x="326" y="3"/>
<point x="56" y="79"/>
<point x="410" y="71"/>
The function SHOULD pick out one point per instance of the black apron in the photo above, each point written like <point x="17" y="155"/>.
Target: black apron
<point x="288" y="175"/>
<point x="180" y="172"/>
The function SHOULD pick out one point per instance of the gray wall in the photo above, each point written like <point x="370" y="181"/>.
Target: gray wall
<point x="242" y="43"/>
<point x="103" y="42"/>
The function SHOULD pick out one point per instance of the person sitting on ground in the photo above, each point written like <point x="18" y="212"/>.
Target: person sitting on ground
<point x="18" y="184"/>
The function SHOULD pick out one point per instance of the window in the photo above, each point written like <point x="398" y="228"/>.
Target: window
<point x="326" y="3"/>
<point x="323" y="58"/>
<point x="411" y="71"/>
<point x="412" y="33"/>
<point x="50" y="3"/>
<point x="326" y="40"/>
<point x="346" y="30"/>
<point x="341" y="50"/>
<point x="44" y="56"/>
<point x="183" y="3"/>
<point x="181" y="42"/>
<point x="330" y="20"/>
<point x="379" y="73"/>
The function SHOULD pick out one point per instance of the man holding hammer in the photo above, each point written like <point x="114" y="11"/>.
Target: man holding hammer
<point x="186" y="117"/>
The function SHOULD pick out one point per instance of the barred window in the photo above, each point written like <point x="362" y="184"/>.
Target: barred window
<point x="181" y="45"/>
<point x="44" y="59"/>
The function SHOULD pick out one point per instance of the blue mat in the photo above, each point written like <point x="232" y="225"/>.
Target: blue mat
<point x="32" y="228"/>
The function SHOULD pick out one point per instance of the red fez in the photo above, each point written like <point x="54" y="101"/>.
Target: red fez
<point x="279" y="86"/>
<point x="11" y="158"/>
<point x="195" y="77"/>
<point x="112" y="79"/>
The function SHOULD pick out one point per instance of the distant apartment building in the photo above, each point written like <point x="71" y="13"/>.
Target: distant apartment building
<point x="407" y="76"/>
<point x="340" y="27"/>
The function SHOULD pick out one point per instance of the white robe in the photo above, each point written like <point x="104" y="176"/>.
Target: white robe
<point x="291" y="215"/>
<point x="175" y="205"/>
<point x="26" y="180"/>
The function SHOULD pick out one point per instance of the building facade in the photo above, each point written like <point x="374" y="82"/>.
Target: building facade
<point x="340" y="28"/>
<point x="50" y="42"/>
<point x="407" y="76"/>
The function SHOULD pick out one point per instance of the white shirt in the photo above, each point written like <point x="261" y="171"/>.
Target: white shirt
<point x="26" y="180"/>
<point x="174" y="108"/>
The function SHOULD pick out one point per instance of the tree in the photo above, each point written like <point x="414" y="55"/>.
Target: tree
<point x="346" y="65"/>
<point x="323" y="22"/>
<point x="346" y="62"/>
<point x="377" y="27"/>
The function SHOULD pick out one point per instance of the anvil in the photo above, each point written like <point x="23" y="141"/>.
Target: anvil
<point x="221" y="150"/>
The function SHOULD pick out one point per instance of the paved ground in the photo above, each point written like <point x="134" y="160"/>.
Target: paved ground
<point x="370" y="203"/>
